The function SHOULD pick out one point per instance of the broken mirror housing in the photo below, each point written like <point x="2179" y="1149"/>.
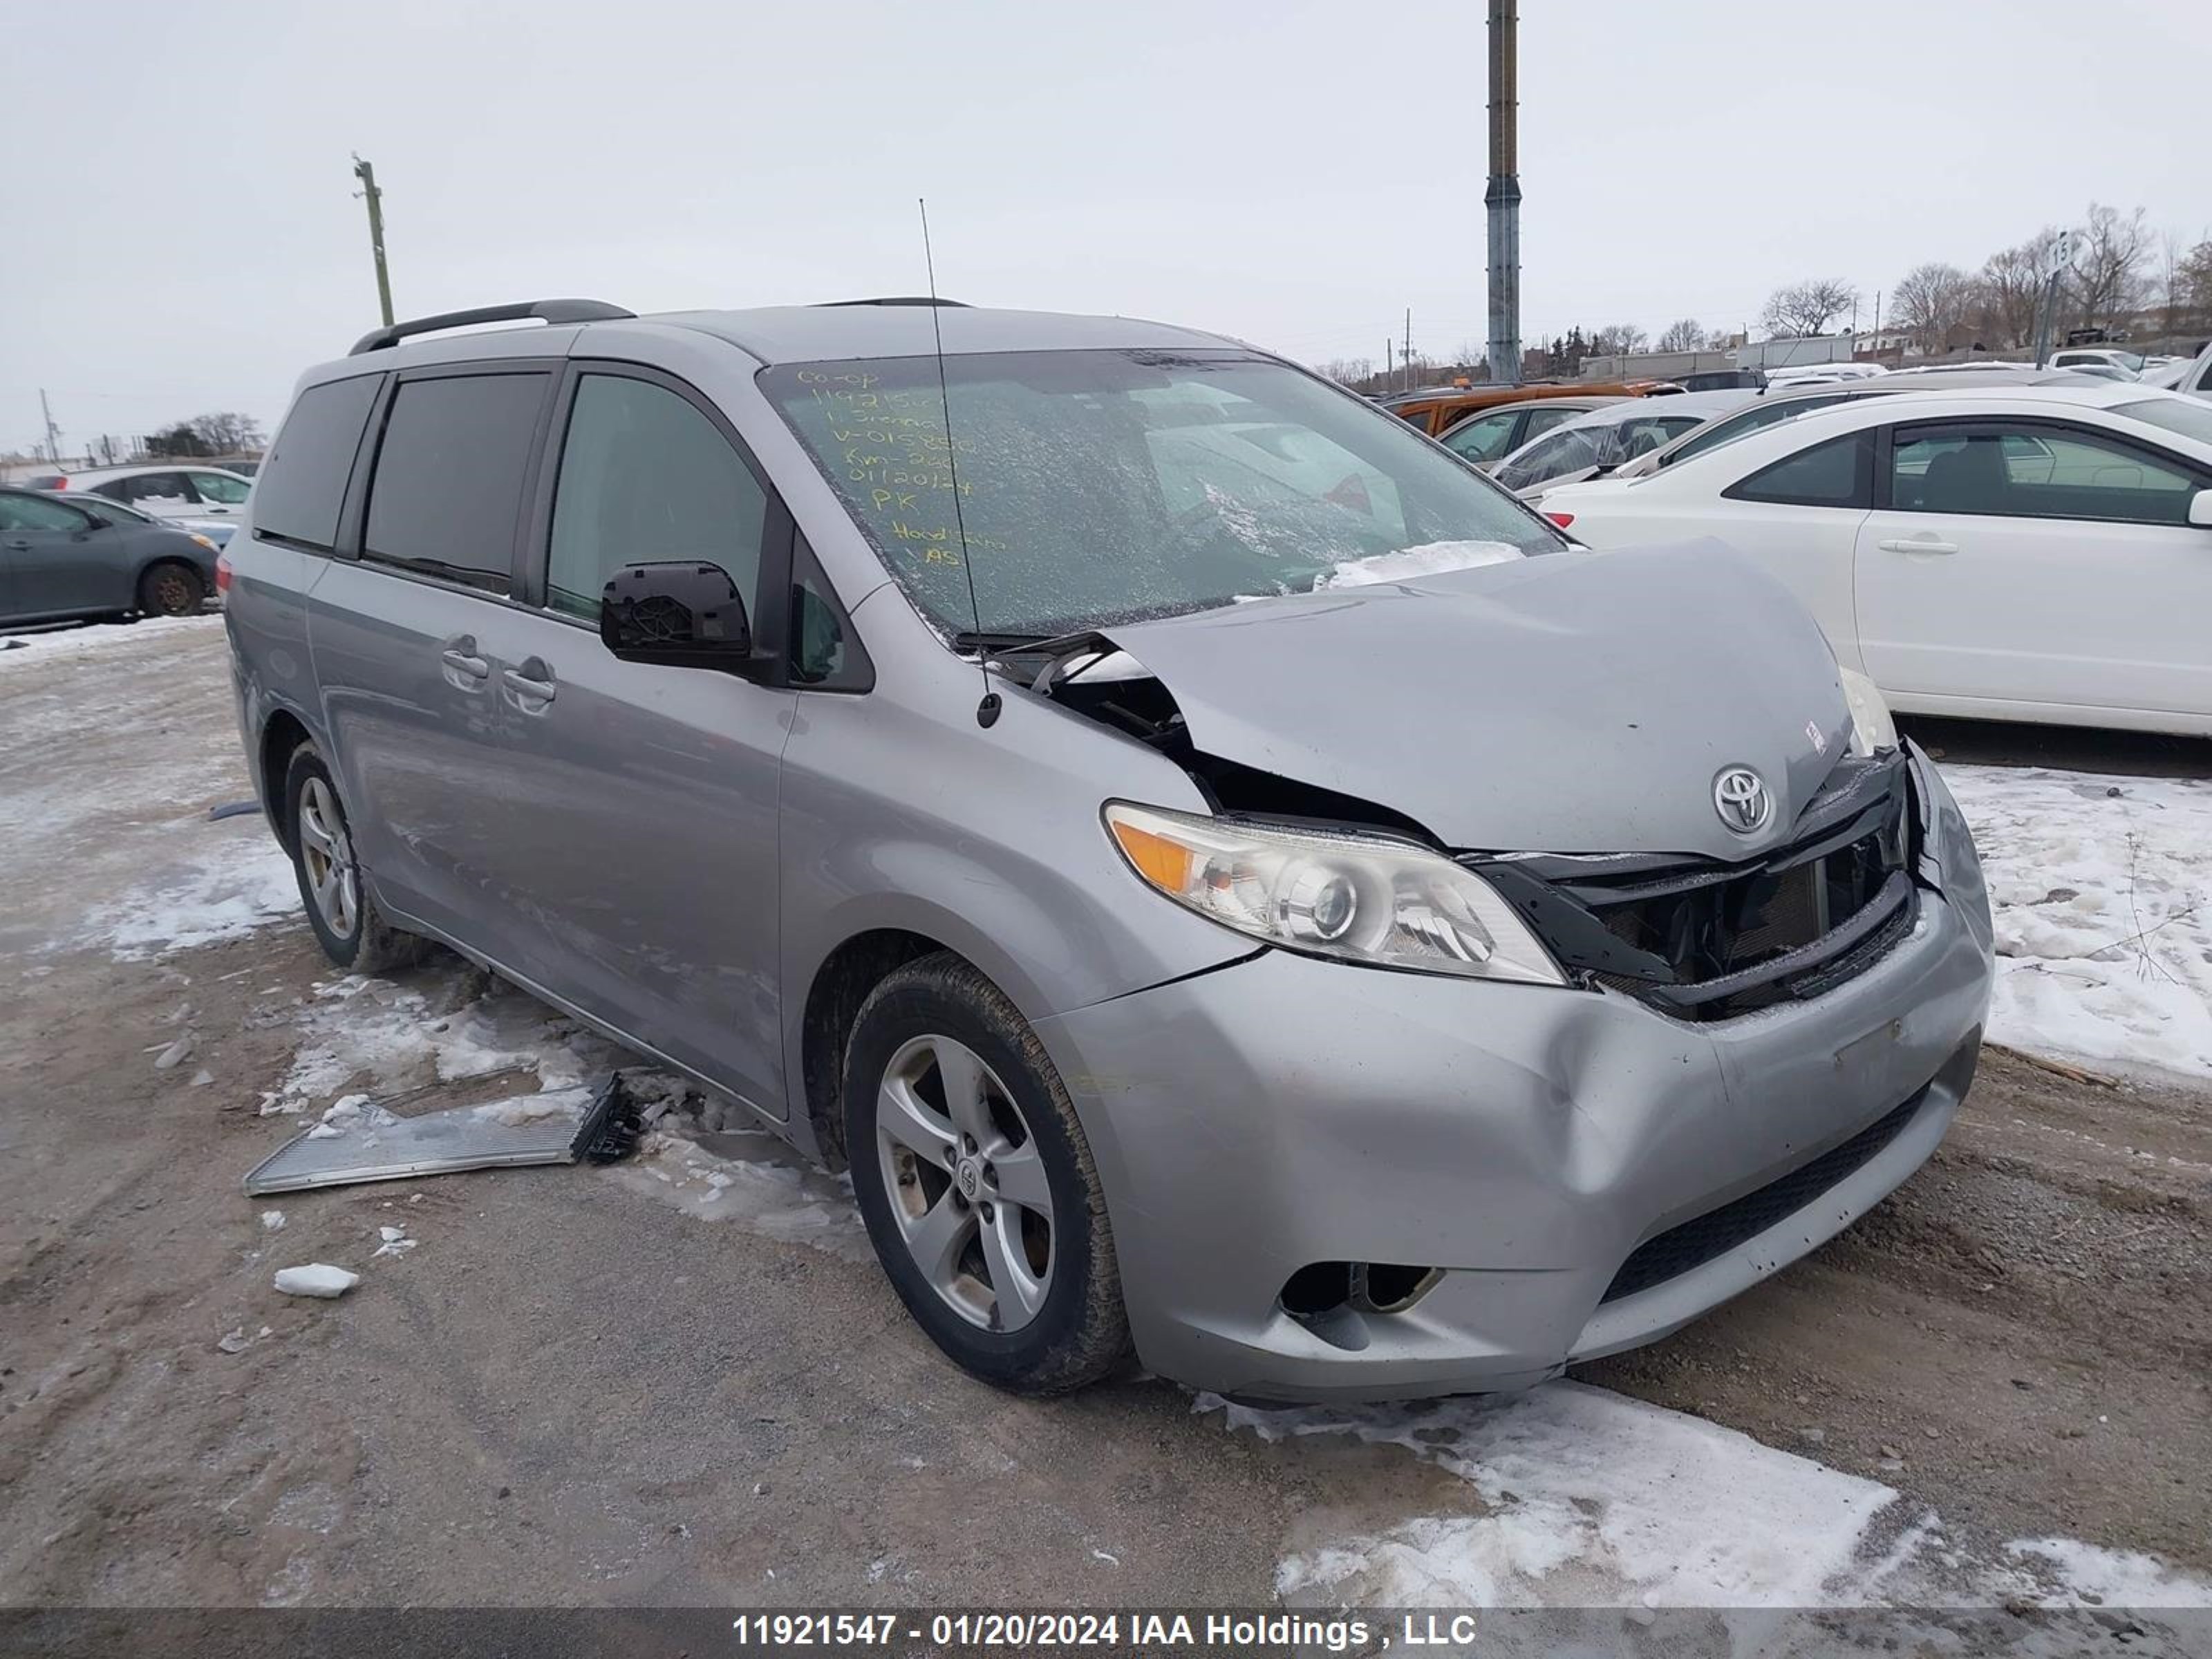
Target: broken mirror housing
<point x="1358" y="898"/>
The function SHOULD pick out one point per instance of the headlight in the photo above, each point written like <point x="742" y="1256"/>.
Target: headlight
<point x="1872" y="728"/>
<point x="1362" y="899"/>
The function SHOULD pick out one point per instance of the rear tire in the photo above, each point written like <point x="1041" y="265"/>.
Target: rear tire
<point x="169" y="589"/>
<point x="983" y="1202"/>
<point x="352" y="931"/>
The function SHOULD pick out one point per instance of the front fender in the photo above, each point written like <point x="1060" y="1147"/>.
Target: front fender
<point x="988" y="842"/>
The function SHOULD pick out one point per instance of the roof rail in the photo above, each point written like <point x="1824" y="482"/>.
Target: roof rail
<point x="545" y="311"/>
<point x="902" y="300"/>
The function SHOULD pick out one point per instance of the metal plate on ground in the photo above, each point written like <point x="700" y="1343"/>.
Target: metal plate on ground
<point x="553" y="1127"/>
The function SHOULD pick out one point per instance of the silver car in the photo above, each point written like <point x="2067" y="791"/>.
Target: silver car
<point x="1237" y="889"/>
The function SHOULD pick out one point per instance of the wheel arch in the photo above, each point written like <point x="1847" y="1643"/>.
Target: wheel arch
<point x="840" y="984"/>
<point x="282" y="734"/>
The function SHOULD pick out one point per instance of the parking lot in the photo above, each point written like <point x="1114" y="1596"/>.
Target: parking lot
<point x="682" y="1379"/>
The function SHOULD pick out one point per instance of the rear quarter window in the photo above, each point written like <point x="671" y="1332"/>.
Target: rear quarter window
<point x="300" y="488"/>
<point x="1837" y="472"/>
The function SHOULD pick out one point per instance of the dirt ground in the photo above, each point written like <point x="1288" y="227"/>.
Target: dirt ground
<point x="570" y="1393"/>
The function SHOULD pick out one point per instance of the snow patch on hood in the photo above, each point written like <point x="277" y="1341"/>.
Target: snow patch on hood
<point x="1430" y="559"/>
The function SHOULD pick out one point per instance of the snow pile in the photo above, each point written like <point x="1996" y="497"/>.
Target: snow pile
<point x="388" y="1036"/>
<point x="2101" y="889"/>
<point x="234" y="884"/>
<point x="99" y="636"/>
<point x="1579" y="1497"/>
<point x="317" y="1278"/>
<point x="709" y="1160"/>
<point x="1585" y="1498"/>
<point x="1430" y="559"/>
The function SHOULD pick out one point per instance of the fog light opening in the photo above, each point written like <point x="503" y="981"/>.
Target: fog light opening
<point x="1317" y="1288"/>
<point x="1389" y="1287"/>
<point x="1322" y="1290"/>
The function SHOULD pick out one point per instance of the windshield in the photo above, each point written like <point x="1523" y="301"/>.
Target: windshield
<point x="1605" y="442"/>
<point x="1106" y="486"/>
<point x="101" y="507"/>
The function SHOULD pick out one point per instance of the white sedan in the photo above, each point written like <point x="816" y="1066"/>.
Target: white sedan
<point x="2037" y="554"/>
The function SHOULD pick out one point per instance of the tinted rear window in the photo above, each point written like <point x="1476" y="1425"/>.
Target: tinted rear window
<point x="448" y="491"/>
<point x="298" y="493"/>
<point x="1830" y="474"/>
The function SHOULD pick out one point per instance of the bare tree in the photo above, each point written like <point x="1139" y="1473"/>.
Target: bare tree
<point x="2109" y="251"/>
<point x="1931" y="301"/>
<point x="1684" y="334"/>
<point x="2012" y="288"/>
<point x="226" y="432"/>
<point x="1349" y="371"/>
<point x="1804" y="309"/>
<point x="1616" y="339"/>
<point x="2194" y="277"/>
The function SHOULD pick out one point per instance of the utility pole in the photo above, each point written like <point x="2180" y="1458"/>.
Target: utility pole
<point x="2061" y="254"/>
<point x="53" y="433"/>
<point x="1389" y="371"/>
<point x="366" y="173"/>
<point x="1503" y="198"/>
<point x="1406" y="359"/>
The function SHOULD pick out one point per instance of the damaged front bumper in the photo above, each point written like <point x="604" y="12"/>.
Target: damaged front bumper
<point x="1509" y="1178"/>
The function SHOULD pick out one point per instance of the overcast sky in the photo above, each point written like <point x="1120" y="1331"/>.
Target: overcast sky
<point x="182" y="235"/>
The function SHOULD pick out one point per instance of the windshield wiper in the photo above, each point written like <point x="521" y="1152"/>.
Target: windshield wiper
<point x="970" y="639"/>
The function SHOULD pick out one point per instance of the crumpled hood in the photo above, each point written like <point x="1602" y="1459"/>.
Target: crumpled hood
<point x="1564" y="703"/>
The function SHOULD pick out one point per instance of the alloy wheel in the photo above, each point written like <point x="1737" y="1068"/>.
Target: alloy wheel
<point x="327" y="856"/>
<point x="968" y="1189"/>
<point x="173" y="592"/>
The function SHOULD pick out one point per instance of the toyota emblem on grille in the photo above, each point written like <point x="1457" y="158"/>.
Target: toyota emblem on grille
<point x="1742" y="798"/>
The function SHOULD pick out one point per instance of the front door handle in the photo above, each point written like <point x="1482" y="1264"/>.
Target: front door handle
<point x="19" y="545"/>
<point x="531" y="685"/>
<point x="1916" y="544"/>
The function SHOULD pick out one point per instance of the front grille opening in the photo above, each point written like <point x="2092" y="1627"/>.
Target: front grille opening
<point x="1668" y="929"/>
<point x="1707" y="1238"/>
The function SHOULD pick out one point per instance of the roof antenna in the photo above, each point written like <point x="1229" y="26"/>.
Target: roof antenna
<point x="987" y="712"/>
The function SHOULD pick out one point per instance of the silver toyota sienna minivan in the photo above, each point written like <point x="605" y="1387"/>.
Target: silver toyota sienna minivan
<point x="1234" y="887"/>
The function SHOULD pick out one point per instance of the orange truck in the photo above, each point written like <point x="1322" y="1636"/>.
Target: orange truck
<point x="1440" y="408"/>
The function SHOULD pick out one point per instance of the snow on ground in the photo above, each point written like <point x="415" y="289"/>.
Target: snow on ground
<point x="232" y="879"/>
<point x="2101" y="889"/>
<point x="747" y="1176"/>
<point x="384" y="1037"/>
<point x="1581" y="1498"/>
<point x="99" y="636"/>
<point x="365" y="1040"/>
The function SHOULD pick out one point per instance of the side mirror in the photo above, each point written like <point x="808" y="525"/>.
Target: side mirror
<point x="2200" y="509"/>
<point x="679" y="615"/>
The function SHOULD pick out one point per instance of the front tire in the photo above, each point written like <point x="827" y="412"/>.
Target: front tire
<point x="171" y="590"/>
<point x="352" y="931"/>
<point x="976" y="1183"/>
